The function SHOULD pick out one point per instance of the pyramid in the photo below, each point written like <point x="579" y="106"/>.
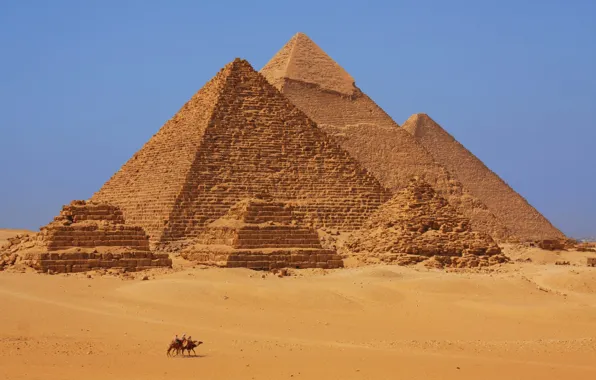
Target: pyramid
<point x="416" y="224"/>
<point x="261" y="233"/>
<point x="84" y="236"/>
<point x="237" y="137"/>
<point x="522" y="220"/>
<point x="327" y="94"/>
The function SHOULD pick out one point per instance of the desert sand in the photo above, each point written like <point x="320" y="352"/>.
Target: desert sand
<point x="517" y="321"/>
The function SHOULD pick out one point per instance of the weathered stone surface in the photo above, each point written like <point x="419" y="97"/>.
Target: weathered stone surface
<point x="418" y="223"/>
<point x="261" y="234"/>
<point x="328" y="95"/>
<point x="237" y="137"/>
<point x="85" y="236"/>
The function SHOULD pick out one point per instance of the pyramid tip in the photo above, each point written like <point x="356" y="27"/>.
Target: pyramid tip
<point x="300" y="35"/>
<point x="237" y="62"/>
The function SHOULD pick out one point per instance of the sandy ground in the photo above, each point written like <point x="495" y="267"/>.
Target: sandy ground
<point x="526" y="320"/>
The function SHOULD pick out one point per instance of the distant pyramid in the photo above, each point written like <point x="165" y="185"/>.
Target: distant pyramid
<point x="327" y="94"/>
<point x="522" y="220"/>
<point x="302" y="60"/>
<point x="236" y="138"/>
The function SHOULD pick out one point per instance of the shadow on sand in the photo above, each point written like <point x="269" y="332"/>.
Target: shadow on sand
<point x="189" y="357"/>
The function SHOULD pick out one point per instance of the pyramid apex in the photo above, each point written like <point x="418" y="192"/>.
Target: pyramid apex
<point x="301" y="36"/>
<point x="239" y="62"/>
<point x="419" y="124"/>
<point x="302" y="60"/>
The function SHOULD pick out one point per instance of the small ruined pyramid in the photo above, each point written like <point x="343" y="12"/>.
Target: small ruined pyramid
<point x="261" y="233"/>
<point x="322" y="89"/>
<point x="416" y="224"/>
<point x="522" y="220"/>
<point x="236" y="137"/>
<point x="85" y="236"/>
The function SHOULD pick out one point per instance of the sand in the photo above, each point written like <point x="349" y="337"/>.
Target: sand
<point x="524" y="320"/>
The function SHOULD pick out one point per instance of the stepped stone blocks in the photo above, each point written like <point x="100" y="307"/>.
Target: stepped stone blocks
<point x="87" y="235"/>
<point x="237" y="137"/>
<point x="90" y="225"/>
<point x="522" y="220"/>
<point x="261" y="234"/>
<point x="315" y="83"/>
<point x="417" y="224"/>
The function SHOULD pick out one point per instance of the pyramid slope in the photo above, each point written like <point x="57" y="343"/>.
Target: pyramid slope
<point x="302" y="60"/>
<point x="418" y="221"/>
<point x="148" y="185"/>
<point x="370" y="135"/>
<point x="523" y="220"/>
<point x="236" y="138"/>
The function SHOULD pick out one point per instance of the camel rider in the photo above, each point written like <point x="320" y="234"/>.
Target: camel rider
<point x="183" y="339"/>
<point x="177" y="340"/>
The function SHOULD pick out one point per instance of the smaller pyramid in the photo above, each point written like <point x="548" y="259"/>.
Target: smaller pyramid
<point x="260" y="233"/>
<point x="85" y="236"/>
<point x="417" y="224"/>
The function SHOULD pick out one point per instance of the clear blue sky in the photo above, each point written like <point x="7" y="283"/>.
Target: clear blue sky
<point x="84" y="84"/>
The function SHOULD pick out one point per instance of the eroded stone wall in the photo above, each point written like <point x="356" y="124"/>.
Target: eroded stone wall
<point x="70" y="262"/>
<point x="261" y="234"/>
<point x="270" y="259"/>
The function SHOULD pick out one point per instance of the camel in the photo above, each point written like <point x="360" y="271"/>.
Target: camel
<point x="175" y="346"/>
<point x="186" y="345"/>
<point x="190" y="345"/>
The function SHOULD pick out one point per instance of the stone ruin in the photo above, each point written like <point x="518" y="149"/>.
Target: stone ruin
<point x="260" y="233"/>
<point x="418" y="224"/>
<point x="85" y="236"/>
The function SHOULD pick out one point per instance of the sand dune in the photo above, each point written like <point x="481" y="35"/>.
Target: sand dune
<point x="522" y="321"/>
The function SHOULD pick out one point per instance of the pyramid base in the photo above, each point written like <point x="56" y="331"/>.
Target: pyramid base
<point x="264" y="259"/>
<point x="433" y="261"/>
<point x="72" y="262"/>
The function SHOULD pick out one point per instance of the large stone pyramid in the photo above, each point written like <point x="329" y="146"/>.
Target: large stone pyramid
<point x="237" y="137"/>
<point x="417" y="224"/>
<point x="327" y="94"/>
<point x="522" y="220"/>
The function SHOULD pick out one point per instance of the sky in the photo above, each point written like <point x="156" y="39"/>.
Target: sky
<point x="84" y="84"/>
